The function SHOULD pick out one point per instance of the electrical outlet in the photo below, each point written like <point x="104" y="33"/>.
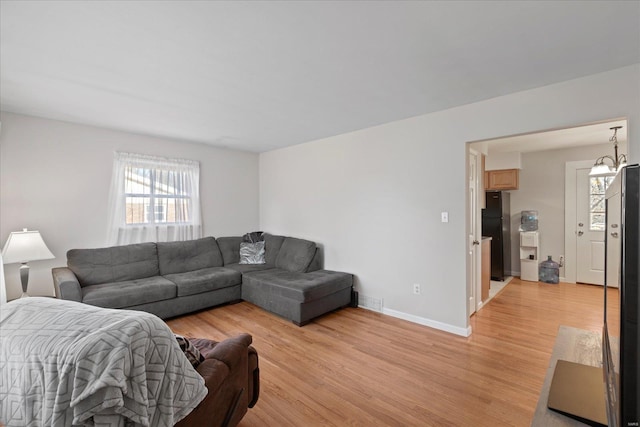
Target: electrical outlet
<point x="561" y="262"/>
<point x="416" y="288"/>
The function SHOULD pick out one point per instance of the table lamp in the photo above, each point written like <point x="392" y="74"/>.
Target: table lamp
<point x="24" y="246"/>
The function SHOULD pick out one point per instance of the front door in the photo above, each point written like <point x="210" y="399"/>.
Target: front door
<point x="590" y="218"/>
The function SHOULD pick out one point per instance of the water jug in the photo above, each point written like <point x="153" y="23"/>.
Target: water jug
<point x="549" y="271"/>
<point x="529" y="221"/>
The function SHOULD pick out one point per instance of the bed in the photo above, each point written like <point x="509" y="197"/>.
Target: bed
<point x="64" y="363"/>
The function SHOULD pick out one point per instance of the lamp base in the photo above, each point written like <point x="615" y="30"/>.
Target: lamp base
<point x="24" y="278"/>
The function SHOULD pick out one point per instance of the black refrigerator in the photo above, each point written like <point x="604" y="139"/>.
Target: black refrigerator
<point x="496" y="223"/>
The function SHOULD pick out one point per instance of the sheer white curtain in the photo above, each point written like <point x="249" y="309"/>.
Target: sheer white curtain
<point x="153" y="199"/>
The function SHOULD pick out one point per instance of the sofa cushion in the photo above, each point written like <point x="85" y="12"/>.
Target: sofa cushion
<point x="272" y="245"/>
<point x="247" y="268"/>
<point x="114" y="264"/>
<point x="295" y="254"/>
<point x="316" y="262"/>
<point x="230" y="248"/>
<point x="204" y="280"/>
<point x="303" y="287"/>
<point x="129" y="293"/>
<point x="189" y="255"/>
<point x="252" y="253"/>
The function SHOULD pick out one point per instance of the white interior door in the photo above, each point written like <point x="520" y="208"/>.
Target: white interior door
<point x="591" y="226"/>
<point x="473" y="238"/>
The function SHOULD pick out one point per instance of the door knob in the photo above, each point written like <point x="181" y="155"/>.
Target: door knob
<point x="580" y="233"/>
<point x="614" y="234"/>
<point x="614" y="225"/>
<point x="475" y="242"/>
<point x="580" y="224"/>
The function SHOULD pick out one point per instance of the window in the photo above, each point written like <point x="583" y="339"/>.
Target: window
<point x="160" y="214"/>
<point x="597" y="187"/>
<point x="154" y="199"/>
<point x="156" y="196"/>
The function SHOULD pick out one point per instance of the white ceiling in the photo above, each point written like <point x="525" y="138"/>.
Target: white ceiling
<point x="262" y="75"/>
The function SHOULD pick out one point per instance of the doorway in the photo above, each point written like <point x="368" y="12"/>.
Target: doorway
<point x="585" y="224"/>
<point x="590" y="235"/>
<point x="545" y="157"/>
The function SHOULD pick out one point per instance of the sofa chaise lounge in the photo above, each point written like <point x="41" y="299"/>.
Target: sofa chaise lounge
<point x="173" y="278"/>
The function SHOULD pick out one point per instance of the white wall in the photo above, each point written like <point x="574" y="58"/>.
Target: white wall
<point x="542" y="188"/>
<point x="498" y="161"/>
<point x="374" y="197"/>
<point x="55" y="177"/>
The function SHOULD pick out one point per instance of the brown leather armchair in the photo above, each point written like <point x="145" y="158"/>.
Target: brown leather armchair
<point x="232" y="376"/>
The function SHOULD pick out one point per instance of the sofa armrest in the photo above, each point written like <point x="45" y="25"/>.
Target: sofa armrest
<point x="209" y="412"/>
<point x="66" y="284"/>
<point x="214" y="373"/>
<point x="254" y="377"/>
<point x="234" y="352"/>
<point x="231" y="350"/>
<point x="235" y="390"/>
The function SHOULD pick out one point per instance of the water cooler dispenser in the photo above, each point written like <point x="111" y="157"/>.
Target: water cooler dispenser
<point x="529" y="247"/>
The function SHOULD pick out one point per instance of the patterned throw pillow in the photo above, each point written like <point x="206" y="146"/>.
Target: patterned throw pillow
<point x="253" y="237"/>
<point x="252" y="253"/>
<point x="189" y="350"/>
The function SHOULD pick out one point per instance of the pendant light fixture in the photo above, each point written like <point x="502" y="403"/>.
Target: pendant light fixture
<point x="600" y="168"/>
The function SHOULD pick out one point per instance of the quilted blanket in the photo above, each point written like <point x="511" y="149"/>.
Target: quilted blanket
<point x="64" y="363"/>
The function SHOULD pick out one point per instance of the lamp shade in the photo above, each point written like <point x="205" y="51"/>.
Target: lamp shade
<point x="25" y="246"/>
<point x="601" y="170"/>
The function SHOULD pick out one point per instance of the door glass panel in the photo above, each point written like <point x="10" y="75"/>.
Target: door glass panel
<point x="597" y="187"/>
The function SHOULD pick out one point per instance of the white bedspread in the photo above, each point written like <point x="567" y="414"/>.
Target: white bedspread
<point x="64" y="363"/>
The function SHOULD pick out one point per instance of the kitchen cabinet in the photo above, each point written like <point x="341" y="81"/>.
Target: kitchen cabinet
<point x="505" y="179"/>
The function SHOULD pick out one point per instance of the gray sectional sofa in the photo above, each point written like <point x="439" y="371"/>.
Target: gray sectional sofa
<point x="174" y="278"/>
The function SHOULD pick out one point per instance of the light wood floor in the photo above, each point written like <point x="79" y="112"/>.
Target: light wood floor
<point x="355" y="367"/>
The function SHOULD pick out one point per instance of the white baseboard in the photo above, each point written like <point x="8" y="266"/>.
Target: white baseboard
<point x="561" y="278"/>
<point x="465" y="332"/>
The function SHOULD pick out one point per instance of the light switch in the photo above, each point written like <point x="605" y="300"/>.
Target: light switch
<point x="444" y="216"/>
